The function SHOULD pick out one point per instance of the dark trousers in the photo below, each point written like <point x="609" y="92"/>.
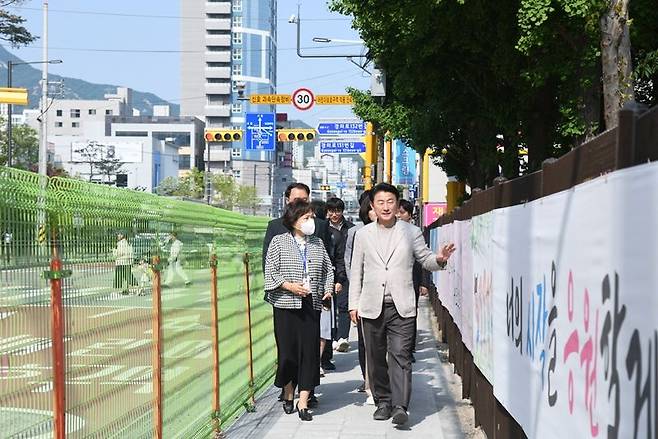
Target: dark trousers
<point x="390" y="381"/>
<point x="413" y="342"/>
<point x="362" y="349"/>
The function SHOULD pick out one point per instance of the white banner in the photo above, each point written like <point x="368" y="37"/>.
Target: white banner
<point x="466" y="287"/>
<point x="574" y="308"/>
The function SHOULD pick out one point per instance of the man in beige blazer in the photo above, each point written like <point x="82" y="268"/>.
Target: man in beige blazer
<point x="382" y="296"/>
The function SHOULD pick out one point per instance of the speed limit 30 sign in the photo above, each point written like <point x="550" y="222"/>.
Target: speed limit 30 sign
<point x="303" y="99"/>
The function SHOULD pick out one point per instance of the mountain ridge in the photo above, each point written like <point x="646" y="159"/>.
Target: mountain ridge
<point x="73" y="88"/>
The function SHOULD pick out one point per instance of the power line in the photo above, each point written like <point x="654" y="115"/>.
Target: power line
<point x="173" y="51"/>
<point x="169" y="17"/>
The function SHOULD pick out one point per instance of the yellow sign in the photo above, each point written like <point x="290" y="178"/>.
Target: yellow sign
<point x="270" y="99"/>
<point x="333" y="100"/>
<point x="42" y="234"/>
<point x="14" y="96"/>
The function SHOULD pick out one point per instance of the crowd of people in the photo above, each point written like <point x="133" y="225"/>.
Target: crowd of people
<point x="324" y="273"/>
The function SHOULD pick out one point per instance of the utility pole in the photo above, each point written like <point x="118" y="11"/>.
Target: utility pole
<point x="43" y="146"/>
<point x="254" y="207"/>
<point x="9" y="111"/>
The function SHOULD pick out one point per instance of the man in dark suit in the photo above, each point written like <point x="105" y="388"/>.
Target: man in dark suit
<point x="297" y="191"/>
<point x="338" y="226"/>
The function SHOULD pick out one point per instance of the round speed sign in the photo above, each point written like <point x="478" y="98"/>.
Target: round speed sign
<point x="303" y="99"/>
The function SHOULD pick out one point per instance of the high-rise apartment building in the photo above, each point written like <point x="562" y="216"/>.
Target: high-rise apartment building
<point x="228" y="52"/>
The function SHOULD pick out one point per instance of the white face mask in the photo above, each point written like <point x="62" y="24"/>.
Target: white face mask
<point x="308" y="227"/>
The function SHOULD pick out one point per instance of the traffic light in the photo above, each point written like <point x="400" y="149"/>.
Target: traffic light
<point x="301" y="135"/>
<point x="223" y="135"/>
<point x="325" y="187"/>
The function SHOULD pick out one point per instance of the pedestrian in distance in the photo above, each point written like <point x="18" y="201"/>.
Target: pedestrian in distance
<point x="298" y="276"/>
<point x="175" y="266"/>
<point x="381" y="295"/>
<point x="123" y="261"/>
<point x="421" y="277"/>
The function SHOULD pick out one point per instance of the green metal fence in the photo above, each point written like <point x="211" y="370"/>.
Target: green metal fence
<point x="112" y="342"/>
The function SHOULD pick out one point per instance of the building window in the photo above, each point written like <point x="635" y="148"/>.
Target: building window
<point x="75" y="113"/>
<point x="59" y="113"/>
<point x="237" y="37"/>
<point x="234" y="86"/>
<point x="237" y="54"/>
<point x="75" y="124"/>
<point x="183" y="161"/>
<point x="131" y="133"/>
<point x="58" y="125"/>
<point x="236" y="153"/>
<point x="92" y="111"/>
<point x="236" y="108"/>
<point x="237" y="5"/>
<point x="236" y="174"/>
<point x="108" y="112"/>
<point x="237" y="21"/>
<point x="236" y="69"/>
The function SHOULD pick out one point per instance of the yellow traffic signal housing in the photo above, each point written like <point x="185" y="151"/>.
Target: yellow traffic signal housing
<point x="300" y="135"/>
<point x="223" y="135"/>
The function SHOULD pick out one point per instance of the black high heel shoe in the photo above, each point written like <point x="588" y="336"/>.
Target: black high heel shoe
<point x="288" y="407"/>
<point x="304" y="414"/>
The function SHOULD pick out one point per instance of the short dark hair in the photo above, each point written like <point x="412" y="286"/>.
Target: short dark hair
<point x="294" y="211"/>
<point x="335" y="203"/>
<point x="407" y="205"/>
<point x="365" y="195"/>
<point x="319" y="209"/>
<point x="365" y="208"/>
<point x="292" y="186"/>
<point x="384" y="187"/>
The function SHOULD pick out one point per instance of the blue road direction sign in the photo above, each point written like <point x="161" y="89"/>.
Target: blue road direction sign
<point x="260" y="131"/>
<point x="342" y="147"/>
<point x="341" y="185"/>
<point x="342" y="128"/>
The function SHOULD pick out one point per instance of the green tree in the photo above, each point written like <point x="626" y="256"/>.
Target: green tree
<point x="247" y="199"/>
<point x="101" y="159"/>
<point x="25" y="147"/>
<point x="11" y="26"/>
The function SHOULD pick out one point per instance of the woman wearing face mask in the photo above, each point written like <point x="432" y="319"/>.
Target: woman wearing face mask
<point x="298" y="276"/>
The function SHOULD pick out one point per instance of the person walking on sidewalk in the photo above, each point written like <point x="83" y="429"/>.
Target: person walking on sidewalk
<point x="298" y="276"/>
<point x="123" y="263"/>
<point x="339" y="228"/>
<point x="381" y="295"/>
<point x="294" y="192"/>
<point x="175" y="266"/>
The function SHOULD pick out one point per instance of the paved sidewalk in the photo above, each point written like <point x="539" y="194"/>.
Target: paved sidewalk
<point x="342" y="412"/>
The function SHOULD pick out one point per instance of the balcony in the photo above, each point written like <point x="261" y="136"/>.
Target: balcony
<point x="218" y="72"/>
<point x="218" y="24"/>
<point x="218" y="7"/>
<point x="218" y="40"/>
<point x="217" y="110"/>
<point x="218" y="89"/>
<point x="223" y="56"/>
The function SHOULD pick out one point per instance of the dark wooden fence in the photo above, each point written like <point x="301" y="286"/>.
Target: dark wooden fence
<point x="633" y="142"/>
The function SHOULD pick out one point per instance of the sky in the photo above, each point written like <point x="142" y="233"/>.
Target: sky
<point x="136" y="43"/>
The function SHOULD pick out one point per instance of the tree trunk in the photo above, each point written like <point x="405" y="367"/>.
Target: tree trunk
<point x="615" y="60"/>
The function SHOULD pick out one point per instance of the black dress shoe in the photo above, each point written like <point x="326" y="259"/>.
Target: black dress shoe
<point x="361" y="388"/>
<point x="413" y="359"/>
<point x="304" y="414"/>
<point x="328" y="365"/>
<point x="312" y="401"/>
<point x="399" y="415"/>
<point x="281" y="399"/>
<point x="382" y="413"/>
<point x="288" y="407"/>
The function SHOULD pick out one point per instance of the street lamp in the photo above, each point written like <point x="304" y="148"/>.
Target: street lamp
<point x="10" y="66"/>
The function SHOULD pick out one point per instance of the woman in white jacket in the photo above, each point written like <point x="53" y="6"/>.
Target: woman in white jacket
<point x="123" y="261"/>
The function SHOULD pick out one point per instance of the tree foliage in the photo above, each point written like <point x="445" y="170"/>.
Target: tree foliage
<point x="25" y="147"/>
<point x="11" y="26"/>
<point x="461" y="73"/>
